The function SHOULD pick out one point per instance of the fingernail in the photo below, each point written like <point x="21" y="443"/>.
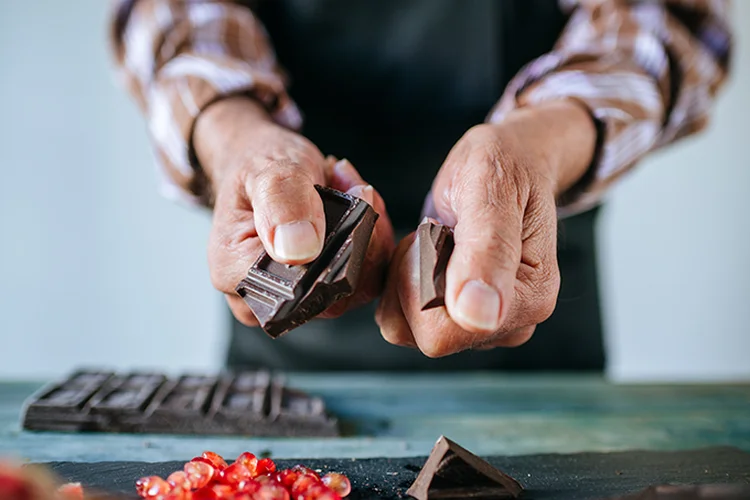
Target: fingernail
<point x="364" y="192"/>
<point x="478" y="305"/>
<point x="296" y="241"/>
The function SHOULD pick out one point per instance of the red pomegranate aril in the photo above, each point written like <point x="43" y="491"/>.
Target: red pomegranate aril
<point x="205" y="493"/>
<point x="223" y="491"/>
<point x="199" y="474"/>
<point x="271" y="491"/>
<point x="152" y="487"/>
<point x="265" y="466"/>
<point x="265" y="479"/>
<point x="178" y="494"/>
<point x="302" y="484"/>
<point x="13" y="487"/>
<point x="215" y="459"/>
<point x="249" y="486"/>
<point x="235" y="474"/>
<point x="70" y="491"/>
<point x="287" y="477"/>
<point x="179" y="480"/>
<point x="338" y="483"/>
<point x="204" y="460"/>
<point x="301" y="469"/>
<point x="319" y="491"/>
<point x="248" y="460"/>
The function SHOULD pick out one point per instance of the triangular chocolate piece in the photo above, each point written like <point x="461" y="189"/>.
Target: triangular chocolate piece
<point x="452" y="472"/>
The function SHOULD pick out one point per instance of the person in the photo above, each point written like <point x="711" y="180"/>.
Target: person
<point x="507" y="120"/>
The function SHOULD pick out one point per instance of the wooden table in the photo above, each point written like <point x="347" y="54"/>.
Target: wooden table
<point x="388" y="415"/>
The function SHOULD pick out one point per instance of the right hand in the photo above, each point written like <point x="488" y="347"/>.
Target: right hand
<point x="263" y="177"/>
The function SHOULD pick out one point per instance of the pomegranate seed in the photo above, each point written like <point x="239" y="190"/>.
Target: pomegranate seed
<point x="202" y="459"/>
<point x="271" y="491"/>
<point x="264" y="479"/>
<point x="338" y="483"/>
<point x="179" y="480"/>
<point x="13" y="487"/>
<point x="71" y="491"/>
<point x="319" y="492"/>
<point x="205" y="493"/>
<point x="235" y="474"/>
<point x="216" y="460"/>
<point x="248" y="460"/>
<point x="152" y="487"/>
<point x="265" y="466"/>
<point x="223" y="491"/>
<point x="178" y="494"/>
<point x="199" y="474"/>
<point x="301" y="469"/>
<point x="287" y="477"/>
<point x="302" y="484"/>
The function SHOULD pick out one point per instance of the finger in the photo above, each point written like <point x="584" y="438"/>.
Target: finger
<point x="481" y="273"/>
<point x="344" y="176"/>
<point x="241" y="311"/>
<point x="233" y="244"/>
<point x="434" y="332"/>
<point x="513" y="338"/>
<point x="538" y="276"/>
<point x="389" y="316"/>
<point x="288" y="211"/>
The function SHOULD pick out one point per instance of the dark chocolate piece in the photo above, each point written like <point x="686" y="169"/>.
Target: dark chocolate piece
<point x="246" y="403"/>
<point x="452" y="472"/>
<point x="435" y="243"/>
<point x="284" y="297"/>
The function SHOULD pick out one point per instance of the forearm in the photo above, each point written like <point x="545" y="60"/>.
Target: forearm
<point x="563" y="134"/>
<point x="223" y="129"/>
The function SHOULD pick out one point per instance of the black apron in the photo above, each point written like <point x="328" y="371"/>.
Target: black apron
<point x="392" y="85"/>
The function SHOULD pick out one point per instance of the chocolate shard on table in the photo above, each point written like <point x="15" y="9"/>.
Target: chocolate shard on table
<point x="452" y="472"/>
<point x="435" y="244"/>
<point x="246" y="404"/>
<point x="284" y="297"/>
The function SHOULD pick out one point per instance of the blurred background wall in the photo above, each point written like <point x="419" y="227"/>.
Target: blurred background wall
<point x="97" y="269"/>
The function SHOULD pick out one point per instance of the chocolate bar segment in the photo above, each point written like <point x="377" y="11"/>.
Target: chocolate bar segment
<point x="435" y="244"/>
<point x="246" y="403"/>
<point x="452" y="472"/>
<point x="284" y="297"/>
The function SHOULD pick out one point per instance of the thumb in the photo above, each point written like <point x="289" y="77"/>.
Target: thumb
<point x="481" y="274"/>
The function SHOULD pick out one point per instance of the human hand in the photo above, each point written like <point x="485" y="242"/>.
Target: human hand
<point x="497" y="189"/>
<point x="263" y="178"/>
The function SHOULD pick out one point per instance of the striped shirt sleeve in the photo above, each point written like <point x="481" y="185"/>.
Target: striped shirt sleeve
<point x="648" y="72"/>
<point x="178" y="56"/>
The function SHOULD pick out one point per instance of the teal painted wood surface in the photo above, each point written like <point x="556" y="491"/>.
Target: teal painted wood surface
<point x="402" y="415"/>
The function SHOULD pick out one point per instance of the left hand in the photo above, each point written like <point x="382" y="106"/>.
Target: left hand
<point x="497" y="189"/>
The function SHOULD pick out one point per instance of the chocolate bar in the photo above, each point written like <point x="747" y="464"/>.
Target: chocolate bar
<point x="452" y="472"/>
<point x="284" y="297"/>
<point x="435" y="244"/>
<point x="246" y="403"/>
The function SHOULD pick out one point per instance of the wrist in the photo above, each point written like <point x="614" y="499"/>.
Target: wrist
<point x="563" y="134"/>
<point x="223" y="130"/>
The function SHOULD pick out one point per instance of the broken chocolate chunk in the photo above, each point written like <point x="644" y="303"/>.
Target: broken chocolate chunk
<point x="284" y="297"/>
<point x="435" y="244"/>
<point x="245" y="404"/>
<point x="452" y="472"/>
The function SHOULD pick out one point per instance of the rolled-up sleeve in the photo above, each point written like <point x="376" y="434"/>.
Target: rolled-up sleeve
<point x="178" y="56"/>
<point x="648" y="72"/>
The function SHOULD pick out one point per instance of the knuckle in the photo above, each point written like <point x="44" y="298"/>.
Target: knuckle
<point x="547" y="289"/>
<point x="279" y="179"/>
